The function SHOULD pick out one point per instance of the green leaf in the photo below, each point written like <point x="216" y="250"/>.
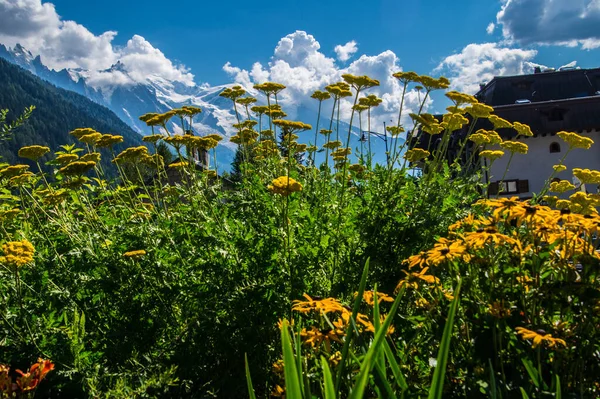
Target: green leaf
<point x="437" y="384"/>
<point x="558" y="394"/>
<point x="374" y="351"/>
<point x="346" y="348"/>
<point x="523" y="393"/>
<point x="249" y="379"/>
<point x="394" y="366"/>
<point x="328" y="387"/>
<point x="531" y="371"/>
<point x="292" y="382"/>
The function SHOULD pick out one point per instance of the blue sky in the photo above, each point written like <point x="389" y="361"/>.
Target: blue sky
<point x="304" y="45"/>
<point x="205" y="35"/>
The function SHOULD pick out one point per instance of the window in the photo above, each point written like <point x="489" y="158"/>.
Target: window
<point x="508" y="187"/>
<point x="554" y="147"/>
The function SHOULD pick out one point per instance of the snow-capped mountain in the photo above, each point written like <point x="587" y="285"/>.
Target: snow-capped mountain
<point x="129" y="99"/>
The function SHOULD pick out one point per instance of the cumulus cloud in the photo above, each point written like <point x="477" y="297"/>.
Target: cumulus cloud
<point x="299" y="64"/>
<point x="479" y="63"/>
<point x="66" y="44"/>
<point x="557" y="22"/>
<point x="346" y="51"/>
<point x="490" y="28"/>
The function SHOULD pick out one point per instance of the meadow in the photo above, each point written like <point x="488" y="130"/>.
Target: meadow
<point x="317" y="272"/>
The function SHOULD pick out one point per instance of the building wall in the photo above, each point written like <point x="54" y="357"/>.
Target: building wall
<point x="536" y="166"/>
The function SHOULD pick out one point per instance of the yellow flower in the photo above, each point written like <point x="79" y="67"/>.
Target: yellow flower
<point x="416" y="154"/>
<point x="91" y="138"/>
<point x="80" y="132"/>
<point x="77" y="168"/>
<point x="487" y="235"/>
<point x="131" y="154"/>
<point x="153" y="138"/>
<point x="321" y="95"/>
<point x="91" y="157"/>
<point x="369" y="297"/>
<point x="586" y="176"/>
<point x="108" y="140"/>
<point x="461" y="98"/>
<point x="491" y="154"/>
<point x="13" y="170"/>
<point x="575" y="141"/>
<point x="177" y="165"/>
<point x="479" y="110"/>
<point x="561" y="186"/>
<point x="559" y="168"/>
<point x="539" y="337"/>
<point x="419" y="260"/>
<point x="446" y="250"/>
<point x="479" y="138"/>
<point x="18" y="253"/>
<point x="499" y="123"/>
<point x="33" y="152"/>
<point x="21" y="179"/>
<point x="515" y="146"/>
<point x="64" y="159"/>
<point x="284" y="186"/>
<point x="137" y="254"/>
<point x="522" y="129"/>
<point x="327" y="305"/>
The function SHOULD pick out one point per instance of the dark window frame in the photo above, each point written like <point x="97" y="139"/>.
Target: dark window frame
<point x="553" y="147"/>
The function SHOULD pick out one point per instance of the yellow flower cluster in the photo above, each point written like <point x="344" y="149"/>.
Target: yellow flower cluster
<point x="13" y="170"/>
<point x="33" y="152"/>
<point x="17" y="253"/>
<point x="515" y="147"/>
<point x="559" y="168"/>
<point x="284" y="186"/>
<point x="131" y="154"/>
<point x="108" y="140"/>
<point x="77" y="168"/>
<point x="491" y="154"/>
<point x="587" y="176"/>
<point x="416" y="154"/>
<point x="576" y="141"/>
<point x="561" y="186"/>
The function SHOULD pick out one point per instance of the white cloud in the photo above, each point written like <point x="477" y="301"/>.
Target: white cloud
<point x="479" y="63"/>
<point x="551" y="22"/>
<point x="299" y="65"/>
<point x="346" y="51"/>
<point x="66" y="44"/>
<point x="490" y="28"/>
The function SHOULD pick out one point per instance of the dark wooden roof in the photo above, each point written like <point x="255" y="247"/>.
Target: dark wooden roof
<point x="541" y="87"/>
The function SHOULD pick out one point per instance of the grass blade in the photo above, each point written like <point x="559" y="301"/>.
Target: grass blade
<point x="292" y="382"/>
<point x="394" y="367"/>
<point x="373" y="352"/>
<point x="558" y="394"/>
<point x="249" y="379"/>
<point x="328" y="387"/>
<point x="533" y="374"/>
<point x="493" y="392"/>
<point x="346" y="348"/>
<point x="523" y="393"/>
<point x="437" y="384"/>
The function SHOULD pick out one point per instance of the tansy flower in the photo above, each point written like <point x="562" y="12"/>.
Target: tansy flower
<point x="539" y="337"/>
<point x="137" y="254"/>
<point x="33" y="152"/>
<point x="13" y="170"/>
<point x="515" y="146"/>
<point x="479" y="110"/>
<point x="586" y="176"/>
<point x="284" y="186"/>
<point x="64" y="159"/>
<point x="91" y="157"/>
<point x="559" y="168"/>
<point x="491" y="154"/>
<point x="479" y="138"/>
<point x="522" y="129"/>
<point x="153" y="138"/>
<point x="21" y="179"/>
<point x="77" y="168"/>
<point x="80" y="132"/>
<point x="18" y="253"/>
<point x="108" y="140"/>
<point x="561" y="186"/>
<point x="91" y="138"/>
<point x="416" y="154"/>
<point x="461" y="98"/>
<point x="575" y="141"/>
<point x="131" y="154"/>
<point x="499" y="123"/>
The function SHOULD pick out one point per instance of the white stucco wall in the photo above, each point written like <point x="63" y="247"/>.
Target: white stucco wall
<point x="536" y="166"/>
